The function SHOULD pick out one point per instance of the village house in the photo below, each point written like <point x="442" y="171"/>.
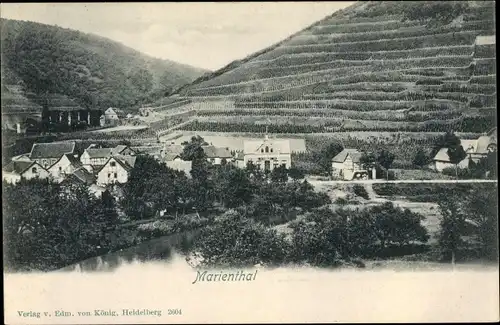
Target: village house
<point x="239" y="160"/>
<point x="15" y="170"/>
<point x="171" y="155"/>
<point x="347" y="163"/>
<point x="111" y="116"/>
<point x="475" y="149"/>
<point x="267" y="154"/>
<point x="94" y="157"/>
<point x="47" y="154"/>
<point x="115" y="170"/>
<point x="66" y="165"/>
<point x="217" y="155"/>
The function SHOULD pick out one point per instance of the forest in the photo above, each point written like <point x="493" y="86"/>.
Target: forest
<point x="95" y="71"/>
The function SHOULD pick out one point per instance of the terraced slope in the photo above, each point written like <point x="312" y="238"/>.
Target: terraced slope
<point x="363" y="68"/>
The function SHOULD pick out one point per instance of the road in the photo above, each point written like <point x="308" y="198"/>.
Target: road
<point x="401" y="181"/>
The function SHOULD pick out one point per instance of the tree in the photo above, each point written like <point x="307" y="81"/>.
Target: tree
<point x="385" y="159"/>
<point x="151" y="187"/>
<point x="481" y="208"/>
<point x="49" y="225"/>
<point x="235" y="241"/>
<point x="326" y="155"/>
<point x="279" y="174"/>
<point x="193" y="150"/>
<point x="394" y="225"/>
<point x="420" y="159"/>
<point x="452" y="225"/>
<point x="321" y="240"/>
<point x="435" y="13"/>
<point x="296" y="173"/>
<point x="231" y="185"/>
<point x="367" y="160"/>
<point x="456" y="154"/>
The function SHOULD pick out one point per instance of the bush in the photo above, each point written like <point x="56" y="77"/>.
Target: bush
<point x="360" y="191"/>
<point x="236" y="241"/>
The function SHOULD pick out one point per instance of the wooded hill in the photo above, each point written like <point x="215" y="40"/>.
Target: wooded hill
<point x="423" y="66"/>
<point x="40" y="61"/>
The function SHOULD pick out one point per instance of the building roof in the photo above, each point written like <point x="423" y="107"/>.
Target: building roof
<point x="217" y="152"/>
<point x="485" y="40"/>
<point x="477" y="146"/>
<point x="127" y="162"/>
<point x="75" y="162"/>
<point x="19" y="167"/>
<point x="172" y="152"/>
<point x="99" y="152"/>
<point x="280" y="146"/>
<point x="84" y="175"/>
<point x="119" y="148"/>
<point x="113" y="110"/>
<point x="51" y="149"/>
<point x="353" y="153"/>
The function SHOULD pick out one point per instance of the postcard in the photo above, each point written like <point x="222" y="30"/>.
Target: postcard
<point x="249" y="162"/>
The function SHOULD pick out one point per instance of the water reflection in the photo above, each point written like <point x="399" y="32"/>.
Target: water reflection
<point x="161" y="249"/>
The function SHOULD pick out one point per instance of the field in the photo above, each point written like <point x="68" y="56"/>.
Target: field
<point x="360" y="69"/>
<point x="233" y="141"/>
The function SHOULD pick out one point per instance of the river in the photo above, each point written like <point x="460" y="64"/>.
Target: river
<point x="162" y="249"/>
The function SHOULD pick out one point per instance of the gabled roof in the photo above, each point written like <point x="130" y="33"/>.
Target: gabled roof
<point x="51" y="149"/>
<point x="19" y="167"/>
<point x="127" y="162"/>
<point x="353" y="153"/>
<point x="113" y="110"/>
<point x="217" y="152"/>
<point x="75" y="162"/>
<point x="279" y="146"/>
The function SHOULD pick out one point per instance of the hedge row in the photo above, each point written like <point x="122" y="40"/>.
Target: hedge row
<point x="367" y="115"/>
<point x="396" y="96"/>
<point x="483" y="25"/>
<point x="467" y="124"/>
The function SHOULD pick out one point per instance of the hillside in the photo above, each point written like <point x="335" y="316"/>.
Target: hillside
<point x="375" y="66"/>
<point x="73" y="68"/>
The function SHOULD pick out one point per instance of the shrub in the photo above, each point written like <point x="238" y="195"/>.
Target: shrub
<point x="360" y="191"/>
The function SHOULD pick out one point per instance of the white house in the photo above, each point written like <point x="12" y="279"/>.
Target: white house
<point x="475" y="150"/>
<point x="115" y="170"/>
<point x="346" y="163"/>
<point x="15" y="170"/>
<point x="111" y="116"/>
<point x="46" y="154"/>
<point x="267" y="154"/>
<point x="65" y="166"/>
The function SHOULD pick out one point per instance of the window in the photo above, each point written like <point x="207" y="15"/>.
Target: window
<point x="267" y="149"/>
<point x="112" y="164"/>
<point x="271" y="149"/>
<point x="60" y="169"/>
<point x="109" y="175"/>
<point x="116" y="175"/>
<point x="33" y="170"/>
<point x="261" y="150"/>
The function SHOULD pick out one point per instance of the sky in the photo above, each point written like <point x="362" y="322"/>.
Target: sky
<point x="206" y="35"/>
